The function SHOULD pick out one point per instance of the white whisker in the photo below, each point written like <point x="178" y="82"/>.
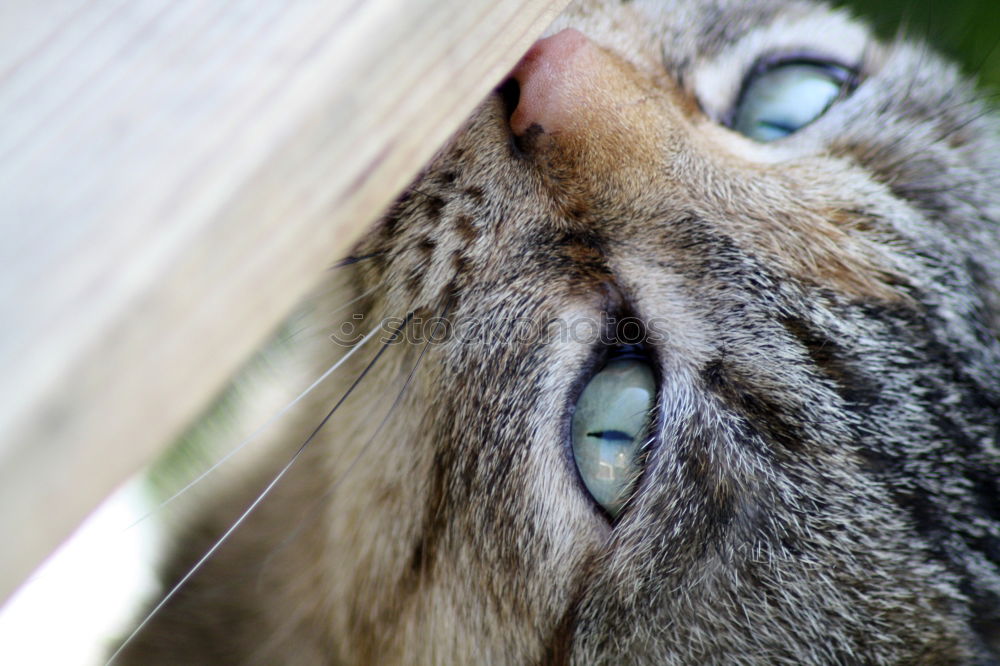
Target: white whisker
<point x="364" y="449"/>
<point x="260" y="430"/>
<point x="264" y="493"/>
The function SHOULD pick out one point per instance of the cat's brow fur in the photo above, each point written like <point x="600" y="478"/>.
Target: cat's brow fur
<point x="824" y="488"/>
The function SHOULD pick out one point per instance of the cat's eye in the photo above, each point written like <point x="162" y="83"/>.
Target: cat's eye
<point x="610" y="422"/>
<point x="781" y="98"/>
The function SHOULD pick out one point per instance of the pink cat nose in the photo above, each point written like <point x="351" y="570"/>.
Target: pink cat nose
<point x="552" y="77"/>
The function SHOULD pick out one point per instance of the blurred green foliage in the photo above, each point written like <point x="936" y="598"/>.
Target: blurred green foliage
<point x="966" y="30"/>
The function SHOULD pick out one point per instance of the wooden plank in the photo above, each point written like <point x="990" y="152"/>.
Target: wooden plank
<point x="174" y="176"/>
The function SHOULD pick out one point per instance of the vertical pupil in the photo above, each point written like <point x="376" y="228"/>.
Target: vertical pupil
<point x="609" y="421"/>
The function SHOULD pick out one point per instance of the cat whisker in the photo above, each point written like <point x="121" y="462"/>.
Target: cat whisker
<point x="291" y="335"/>
<point x="347" y="261"/>
<point x="262" y="428"/>
<point x="365" y="294"/>
<point x="364" y="449"/>
<point x="260" y="497"/>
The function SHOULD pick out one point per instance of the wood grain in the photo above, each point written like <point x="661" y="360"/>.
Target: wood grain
<point x="174" y="176"/>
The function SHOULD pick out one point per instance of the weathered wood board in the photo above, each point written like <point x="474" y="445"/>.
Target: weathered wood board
<point x="174" y="176"/>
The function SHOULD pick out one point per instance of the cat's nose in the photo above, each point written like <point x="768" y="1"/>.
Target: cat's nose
<point x="592" y="120"/>
<point x="553" y="77"/>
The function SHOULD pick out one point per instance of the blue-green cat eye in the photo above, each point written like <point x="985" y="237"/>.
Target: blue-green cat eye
<point x="780" y="99"/>
<point x="610" y="421"/>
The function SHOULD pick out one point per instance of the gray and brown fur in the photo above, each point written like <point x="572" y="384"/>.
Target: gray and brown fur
<point x="823" y="488"/>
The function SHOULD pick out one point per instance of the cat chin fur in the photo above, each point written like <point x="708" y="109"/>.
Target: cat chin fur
<point x="824" y="488"/>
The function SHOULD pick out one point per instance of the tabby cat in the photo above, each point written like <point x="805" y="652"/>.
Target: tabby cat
<point x="684" y="350"/>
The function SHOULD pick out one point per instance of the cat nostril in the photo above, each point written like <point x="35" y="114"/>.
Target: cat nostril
<point x="549" y="77"/>
<point x="510" y="94"/>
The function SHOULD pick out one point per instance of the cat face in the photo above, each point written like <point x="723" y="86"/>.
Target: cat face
<point x="797" y="224"/>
